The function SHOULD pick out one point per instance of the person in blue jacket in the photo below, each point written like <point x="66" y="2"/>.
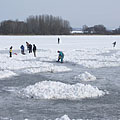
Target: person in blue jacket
<point x="61" y="56"/>
<point x="22" y="49"/>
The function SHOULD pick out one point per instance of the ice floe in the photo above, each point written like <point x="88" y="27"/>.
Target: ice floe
<point x="86" y="77"/>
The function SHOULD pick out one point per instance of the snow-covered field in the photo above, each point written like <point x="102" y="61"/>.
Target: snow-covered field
<point x="84" y="50"/>
<point x="88" y="52"/>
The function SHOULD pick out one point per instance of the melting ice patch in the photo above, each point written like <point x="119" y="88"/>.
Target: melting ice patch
<point x="86" y="77"/>
<point x="59" y="90"/>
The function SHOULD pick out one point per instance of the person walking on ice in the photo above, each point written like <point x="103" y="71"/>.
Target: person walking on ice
<point x="34" y="50"/>
<point x="114" y="44"/>
<point x="60" y="56"/>
<point x="10" y="51"/>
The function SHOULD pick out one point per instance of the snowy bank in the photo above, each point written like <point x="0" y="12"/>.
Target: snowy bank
<point x="59" y="90"/>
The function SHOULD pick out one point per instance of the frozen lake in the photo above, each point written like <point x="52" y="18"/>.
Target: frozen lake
<point x="86" y="86"/>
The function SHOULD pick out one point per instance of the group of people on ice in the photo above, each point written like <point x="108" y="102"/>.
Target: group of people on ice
<point x="33" y="48"/>
<point x="29" y="48"/>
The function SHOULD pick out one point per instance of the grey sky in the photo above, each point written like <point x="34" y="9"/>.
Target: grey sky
<point x="77" y="12"/>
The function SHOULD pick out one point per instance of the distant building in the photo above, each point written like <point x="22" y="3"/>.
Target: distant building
<point x="76" y="31"/>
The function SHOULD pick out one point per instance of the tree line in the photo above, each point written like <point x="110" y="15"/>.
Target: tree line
<point x="99" y="29"/>
<point x="36" y="25"/>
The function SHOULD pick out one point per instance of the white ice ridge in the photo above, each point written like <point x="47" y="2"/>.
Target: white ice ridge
<point x="86" y="77"/>
<point x="59" y="90"/>
<point x="6" y="73"/>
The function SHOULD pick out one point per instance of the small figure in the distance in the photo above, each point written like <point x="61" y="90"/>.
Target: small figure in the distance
<point x="60" y="56"/>
<point x="10" y="51"/>
<point x="114" y="44"/>
<point x="22" y="49"/>
<point x="34" y="50"/>
<point x="58" y="40"/>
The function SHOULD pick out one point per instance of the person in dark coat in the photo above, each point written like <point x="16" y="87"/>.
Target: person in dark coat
<point x="10" y="51"/>
<point x="114" y="44"/>
<point x="34" y="50"/>
<point x="30" y="48"/>
<point x="58" y="40"/>
<point x="27" y="44"/>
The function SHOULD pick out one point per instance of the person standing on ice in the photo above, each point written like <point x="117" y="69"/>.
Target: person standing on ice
<point x="30" y="48"/>
<point x="27" y="44"/>
<point x="60" y="56"/>
<point x="34" y="50"/>
<point x="10" y="51"/>
<point x="58" y="40"/>
<point x="22" y="49"/>
<point x="114" y="44"/>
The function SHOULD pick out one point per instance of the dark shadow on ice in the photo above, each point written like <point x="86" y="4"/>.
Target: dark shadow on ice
<point x="65" y="63"/>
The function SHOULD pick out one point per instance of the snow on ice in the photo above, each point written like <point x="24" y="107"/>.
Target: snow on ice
<point x="26" y="64"/>
<point x="84" y="50"/>
<point x="59" y="90"/>
<point x="87" y="51"/>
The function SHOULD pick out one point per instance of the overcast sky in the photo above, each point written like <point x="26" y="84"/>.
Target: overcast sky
<point x="77" y="12"/>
